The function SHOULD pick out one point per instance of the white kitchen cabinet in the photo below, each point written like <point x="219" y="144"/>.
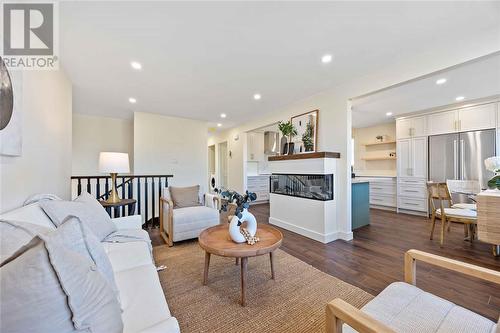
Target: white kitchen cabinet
<point x="255" y="147"/>
<point x="412" y="174"/>
<point x="403" y="157"/>
<point x="477" y="117"/>
<point x="412" y="157"/>
<point x="410" y="127"/>
<point x="260" y="186"/>
<point x="442" y="122"/>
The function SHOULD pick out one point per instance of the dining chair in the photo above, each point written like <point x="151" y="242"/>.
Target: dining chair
<point x="439" y="192"/>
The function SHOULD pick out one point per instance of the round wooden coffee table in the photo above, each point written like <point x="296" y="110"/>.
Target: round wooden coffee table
<point x="216" y="240"/>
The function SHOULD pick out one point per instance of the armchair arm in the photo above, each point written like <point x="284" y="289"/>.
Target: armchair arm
<point x="166" y="220"/>
<point x="212" y="201"/>
<point x="479" y="272"/>
<point x="339" y="311"/>
<point x="128" y="222"/>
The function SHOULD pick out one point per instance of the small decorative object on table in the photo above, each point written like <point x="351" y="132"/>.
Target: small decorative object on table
<point x="493" y="165"/>
<point x="380" y="138"/>
<point x="242" y="202"/>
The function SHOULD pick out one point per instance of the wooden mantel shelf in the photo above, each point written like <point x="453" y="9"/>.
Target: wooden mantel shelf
<point x="319" y="154"/>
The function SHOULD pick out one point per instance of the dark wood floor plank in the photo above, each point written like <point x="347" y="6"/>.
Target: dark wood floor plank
<point x="374" y="258"/>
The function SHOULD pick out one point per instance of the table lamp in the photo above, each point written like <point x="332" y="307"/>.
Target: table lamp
<point x="113" y="163"/>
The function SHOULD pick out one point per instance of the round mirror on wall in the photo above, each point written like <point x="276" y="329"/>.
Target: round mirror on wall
<point x="6" y="96"/>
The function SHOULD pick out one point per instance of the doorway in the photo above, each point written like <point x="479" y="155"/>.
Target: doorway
<point x="222" y="163"/>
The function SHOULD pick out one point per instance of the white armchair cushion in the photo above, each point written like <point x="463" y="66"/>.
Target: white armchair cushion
<point x="465" y="206"/>
<point x="457" y="212"/>
<point x="189" y="222"/>
<point x="406" y="308"/>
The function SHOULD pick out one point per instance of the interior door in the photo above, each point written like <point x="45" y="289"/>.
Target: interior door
<point x="443" y="157"/>
<point x="222" y="183"/>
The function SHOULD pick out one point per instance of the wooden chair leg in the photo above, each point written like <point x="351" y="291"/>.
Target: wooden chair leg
<point x="449" y="226"/>
<point x="466" y="231"/>
<point x="433" y="224"/>
<point x="443" y="227"/>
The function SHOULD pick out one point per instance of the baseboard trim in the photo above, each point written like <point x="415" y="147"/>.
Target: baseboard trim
<point x="317" y="236"/>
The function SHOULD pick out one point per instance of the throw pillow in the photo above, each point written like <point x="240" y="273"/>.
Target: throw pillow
<point x="15" y="234"/>
<point x="50" y="285"/>
<point x="86" y="208"/>
<point x="185" y="196"/>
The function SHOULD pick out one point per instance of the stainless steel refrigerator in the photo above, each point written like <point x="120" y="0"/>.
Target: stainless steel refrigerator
<point x="461" y="156"/>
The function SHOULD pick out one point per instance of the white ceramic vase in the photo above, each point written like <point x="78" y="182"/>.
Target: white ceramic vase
<point x="234" y="228"/>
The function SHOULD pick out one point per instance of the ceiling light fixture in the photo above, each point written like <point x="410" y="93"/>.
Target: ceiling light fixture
<point x="388" y="114"/>
<point x="219" y="125"/>
<point x="136" y="65"/>
<point x="326" y="58"/>
<point x="132" y="100"/>
<point x="223" y="115"/>
<point x="257" y="97"/>
<point x="441" y="81"/>
<point x="459" y="98"/>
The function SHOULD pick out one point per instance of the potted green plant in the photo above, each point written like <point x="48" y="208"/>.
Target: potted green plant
<point x="307" y="138"/>
<point x="288" y="131"/>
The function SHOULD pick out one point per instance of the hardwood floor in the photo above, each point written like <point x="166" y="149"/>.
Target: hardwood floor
<point x="374" y="258"/>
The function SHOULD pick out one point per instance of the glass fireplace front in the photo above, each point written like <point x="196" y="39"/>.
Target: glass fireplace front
<point x="316" y="187"/>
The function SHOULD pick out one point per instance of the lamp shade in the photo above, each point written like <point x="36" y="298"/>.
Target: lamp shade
<point x="110" y="162"/>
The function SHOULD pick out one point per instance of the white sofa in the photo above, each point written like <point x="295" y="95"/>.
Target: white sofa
<point x="145" y="309"/>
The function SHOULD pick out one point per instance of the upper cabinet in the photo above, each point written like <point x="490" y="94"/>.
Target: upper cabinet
<point x="442" y="122"/>
<point x="460" y="120"/>
<point x="477" y="118"/>
<point x="410" y="127"/>
<point x="255" y="147"/>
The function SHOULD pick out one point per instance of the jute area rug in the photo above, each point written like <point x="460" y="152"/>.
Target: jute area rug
<point x="294" y="302"/>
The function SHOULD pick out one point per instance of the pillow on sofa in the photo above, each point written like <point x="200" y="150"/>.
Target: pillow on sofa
<point x="15" y="234"/>
<point x="185" y="196"/>
<point x="50" y="285"/>
<point x="86" y="208"/>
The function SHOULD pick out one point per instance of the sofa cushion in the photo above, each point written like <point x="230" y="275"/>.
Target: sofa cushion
<point x="31" y="213"/>
<point x="15" y="234"/>
<point x="51" y="285"/>
<point x="185" y="196"/>
<point x="143" y="301"/>
<point x="86" y="208"/>
<point x="406" y="308"/>
<point x="128" y="255"/>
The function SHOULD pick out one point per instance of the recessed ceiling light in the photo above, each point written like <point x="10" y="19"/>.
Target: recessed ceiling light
<point x="326" y="58"/>
<point x="388" y="114"/>
<point x="257" y="97"/>
<point x="136" y="65"/>
<point x="460" y="98"/>
<point x="219" y="125"/>
<point x="223" y="115"/>
<point x="441" y="81"/>
<point x="132" y="100"/>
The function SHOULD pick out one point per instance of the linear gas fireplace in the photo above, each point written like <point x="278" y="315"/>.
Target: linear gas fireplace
<point x="316" y="187"/>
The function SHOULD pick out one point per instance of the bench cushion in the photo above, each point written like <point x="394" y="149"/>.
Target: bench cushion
<point x="406" y="308"/>
<point x="189" y="222"/>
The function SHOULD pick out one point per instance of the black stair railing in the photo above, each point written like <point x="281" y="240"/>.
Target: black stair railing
<point x="145" y="189"/>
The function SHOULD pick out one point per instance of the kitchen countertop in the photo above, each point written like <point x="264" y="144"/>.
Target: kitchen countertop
<point x="373" y="179"/>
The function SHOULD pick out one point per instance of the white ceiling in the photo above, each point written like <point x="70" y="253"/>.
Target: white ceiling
<point x="473" y="80"/>
<point x="203" y="58"/>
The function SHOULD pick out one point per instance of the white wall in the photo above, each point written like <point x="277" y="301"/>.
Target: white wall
<point x="93" y="134"/>
<point x="171" y="145"/>
<point x="45" y="164"/>
<point x="334" y="130"/>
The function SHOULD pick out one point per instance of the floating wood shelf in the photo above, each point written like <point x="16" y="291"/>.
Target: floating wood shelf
<point x="375" y="158"/>
<point x="319" y="154"/>
<point x="378" y="143"/>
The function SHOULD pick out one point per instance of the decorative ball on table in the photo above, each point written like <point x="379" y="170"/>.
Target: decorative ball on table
<point x="241" y="214"/>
